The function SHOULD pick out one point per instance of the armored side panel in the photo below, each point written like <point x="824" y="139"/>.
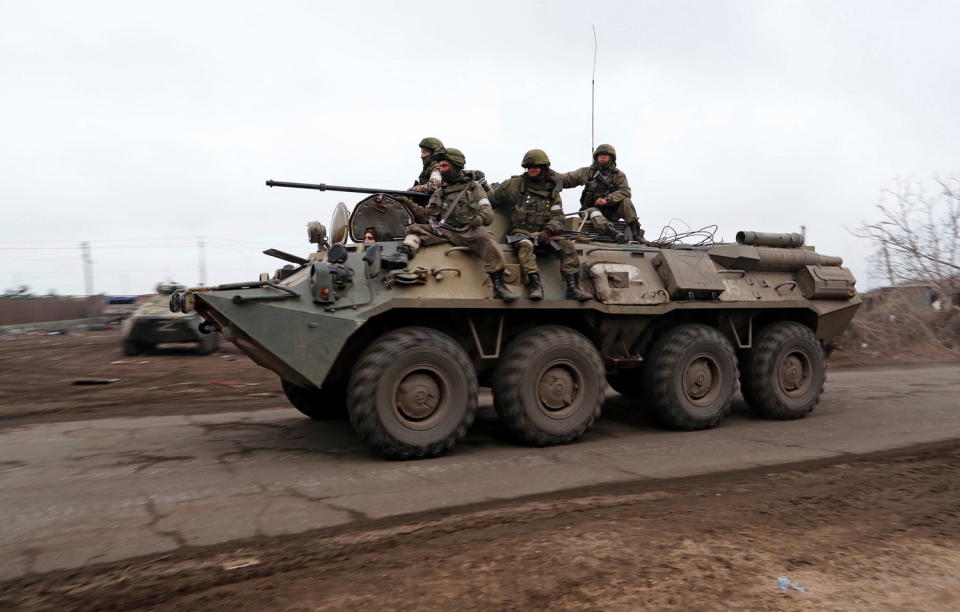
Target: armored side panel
<point x="688" y="273"/>
<point x="826" y="283"/>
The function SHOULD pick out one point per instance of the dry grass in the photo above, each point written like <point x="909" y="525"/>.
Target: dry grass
<point x="896" y="330"/>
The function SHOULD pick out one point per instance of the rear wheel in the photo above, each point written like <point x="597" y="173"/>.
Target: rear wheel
<point x="412" y="393"/>
<point x="132" y="348"/>
<point x="321" y="404"/>
<point x="784" y="372"/>
<point x="548" y="387"/>
<point x="691" y="376"/>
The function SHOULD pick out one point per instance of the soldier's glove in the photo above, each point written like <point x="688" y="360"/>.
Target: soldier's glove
<point x="544" y="237"/>
<point x="477" y="221"/>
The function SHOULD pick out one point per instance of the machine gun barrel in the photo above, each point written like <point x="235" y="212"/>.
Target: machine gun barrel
<point x="325" y="187"/>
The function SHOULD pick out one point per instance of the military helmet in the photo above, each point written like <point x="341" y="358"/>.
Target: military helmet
<point x="431" y="144"/>
<point x="605" y="148"/>
<point x="535" y="157"/>
<point x="454" y="156"/>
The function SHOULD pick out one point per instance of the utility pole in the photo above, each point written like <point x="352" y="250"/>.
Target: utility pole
<point x="803" y="232"/>
<point x="202" y="260"/>
<point x="87" y="274"/>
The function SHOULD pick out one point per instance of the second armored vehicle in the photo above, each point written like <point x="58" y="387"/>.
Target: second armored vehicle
<point x="152" y="323"/>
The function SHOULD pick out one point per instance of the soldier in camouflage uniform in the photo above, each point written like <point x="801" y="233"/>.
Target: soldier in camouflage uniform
<point x="606" y="194"/>
<point x="429" y="179"/>
<point x="532" y="201"/>
<point x="456" y="214"/>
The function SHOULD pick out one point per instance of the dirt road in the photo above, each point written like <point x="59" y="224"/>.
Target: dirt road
<point x="197" y="507"/>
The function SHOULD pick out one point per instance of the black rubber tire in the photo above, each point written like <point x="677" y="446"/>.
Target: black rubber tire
<point x="674" y="372"/>
<point x="430" y="364"/>
<point x="207" y="344"/>
<point x="320" y="404"/>
<point x="627" y="382"/>
<point x="784" y="372"/>
<point x="132" y="348"/>
<point x="572" y="362"/>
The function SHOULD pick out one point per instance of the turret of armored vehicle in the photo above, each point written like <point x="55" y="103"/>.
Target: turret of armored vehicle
<point x="152" y="323"/>
<point x="676" y="327"/>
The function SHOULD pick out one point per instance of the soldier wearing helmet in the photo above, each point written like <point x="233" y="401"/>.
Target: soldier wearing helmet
<point x="532" y="201"/>
<point x="429" y="179"/>
<point x="606" y="194"/>
<point x="455" y="214"/>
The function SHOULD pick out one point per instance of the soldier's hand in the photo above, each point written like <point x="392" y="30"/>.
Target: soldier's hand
<point x="601" y="202"/>
<point x="544" y="237"/>
<point x="477" y="221"/>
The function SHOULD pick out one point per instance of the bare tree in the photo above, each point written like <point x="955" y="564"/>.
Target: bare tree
<point x="918" y="235"/>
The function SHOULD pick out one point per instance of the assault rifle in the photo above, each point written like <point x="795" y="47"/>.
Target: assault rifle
<point x="605" y="185"/>
<point x="324" y="187"/>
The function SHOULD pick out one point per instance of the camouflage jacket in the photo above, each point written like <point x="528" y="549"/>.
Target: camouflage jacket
<point x="429" y="179"/>
<point x="593" y="189"/>
<point x="460" y="205"/>
<point x="532" y="206"/>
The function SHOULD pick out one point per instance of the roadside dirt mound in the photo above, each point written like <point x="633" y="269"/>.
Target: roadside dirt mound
<point x="895" y="330"/>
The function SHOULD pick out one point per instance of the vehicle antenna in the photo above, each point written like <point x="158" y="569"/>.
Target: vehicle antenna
<point x="593" y="86"/>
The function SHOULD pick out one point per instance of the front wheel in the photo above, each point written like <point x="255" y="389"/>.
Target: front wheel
<point x="691" y="377"/>
<point x="784" y="372"/>
<point x="549" y="385"/>
<point x="412" y="393"/>
<point x="321" y="404"/>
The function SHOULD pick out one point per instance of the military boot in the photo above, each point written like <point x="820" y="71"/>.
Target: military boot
<point x="500" y="289"/>
<point x="616" y="235"/>
<point x="399" y="258"/>
<point x="574" y="290"/>
<point x="534" y="287"/>
<point x="636" y="231"/>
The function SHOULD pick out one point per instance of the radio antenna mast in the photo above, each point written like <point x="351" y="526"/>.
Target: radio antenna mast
<point x="593" y="86"/>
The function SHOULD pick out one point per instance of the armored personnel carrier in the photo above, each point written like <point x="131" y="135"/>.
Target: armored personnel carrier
<point x="675" y="327"/>
<point x="152" y="323"/>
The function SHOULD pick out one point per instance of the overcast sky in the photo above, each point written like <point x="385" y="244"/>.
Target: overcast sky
<point x="140" y="126"/>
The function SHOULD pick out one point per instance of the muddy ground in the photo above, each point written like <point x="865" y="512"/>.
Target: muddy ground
<point x="39" y="372"/>
<point x="877" y="533"/>
<point x="854" y="533"/>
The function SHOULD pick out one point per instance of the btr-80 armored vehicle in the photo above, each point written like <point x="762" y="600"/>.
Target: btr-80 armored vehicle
<point x="676" y="327"/>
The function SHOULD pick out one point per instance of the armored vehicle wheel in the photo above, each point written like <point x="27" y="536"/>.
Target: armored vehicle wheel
<point x="784" y="372"/>
<point x="131" y="348"/>
<point x="691" y="376"/>
<point x="320" y="404"/>
<point x="627" y="383"/>
<point x="412" y="393"/>
<point x="548" y="387"/>
<point x="137" y="347"/>
<point x="207" y="344"/>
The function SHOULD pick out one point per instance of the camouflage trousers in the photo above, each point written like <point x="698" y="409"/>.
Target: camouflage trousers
<point x="570" y="263"/>
<point x="601" y="216"/>
<point x="477" y="239"/>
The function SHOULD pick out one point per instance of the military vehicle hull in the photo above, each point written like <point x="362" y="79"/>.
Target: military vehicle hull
<point x="680" y="329"/>
<point x="154" y="324"/>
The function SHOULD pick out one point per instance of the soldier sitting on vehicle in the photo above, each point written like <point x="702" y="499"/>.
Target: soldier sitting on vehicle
<point x="532" y="201"/>
<point x="429" y="179"/>
<point x="456" y="213"/>
<point x="606" y="194"/>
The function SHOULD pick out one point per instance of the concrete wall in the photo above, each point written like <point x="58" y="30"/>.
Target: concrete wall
<point x="33" y="310"/>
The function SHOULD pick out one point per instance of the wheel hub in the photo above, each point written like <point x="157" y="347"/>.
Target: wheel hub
<point x="794" y="374"/>
<point x="698" y="380"/>
<point x="557" y="388"/>
<point x="418" y="396"/>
